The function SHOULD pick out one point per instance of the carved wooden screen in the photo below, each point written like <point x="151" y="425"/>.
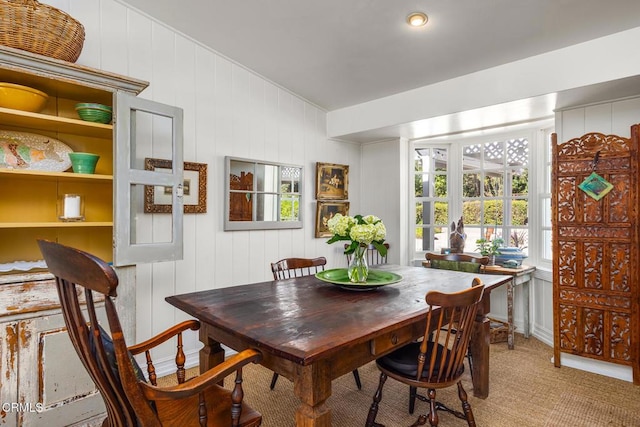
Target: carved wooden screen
<point x="595" y="249"/>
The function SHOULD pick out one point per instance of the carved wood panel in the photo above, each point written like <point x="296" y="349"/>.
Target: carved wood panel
<point x="241" y="204"/>
<point x="596" y="250"/>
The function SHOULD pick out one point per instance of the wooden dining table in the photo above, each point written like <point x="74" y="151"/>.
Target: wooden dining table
<point x="313" y="332"/>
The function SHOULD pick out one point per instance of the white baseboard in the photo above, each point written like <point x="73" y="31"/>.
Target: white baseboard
<point x="607" y="369"/>
<point x="543" y="334"/>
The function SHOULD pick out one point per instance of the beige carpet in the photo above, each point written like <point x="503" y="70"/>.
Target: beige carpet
<point x="573" y="410"/>
<point x="525" y="391"/>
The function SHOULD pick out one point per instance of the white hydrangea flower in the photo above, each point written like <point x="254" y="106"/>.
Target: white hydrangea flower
<point x="340" y="224"/>
<point x="370" y="219"/>
<point x="363" y="233"/>
<point x="380" y="231"/>
<point x="363" y="230"/>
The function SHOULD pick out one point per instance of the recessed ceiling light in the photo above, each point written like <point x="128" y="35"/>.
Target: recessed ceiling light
<point x="417" y="19"/>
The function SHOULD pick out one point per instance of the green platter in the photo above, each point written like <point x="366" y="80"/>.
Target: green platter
<point x="376" y="278"/>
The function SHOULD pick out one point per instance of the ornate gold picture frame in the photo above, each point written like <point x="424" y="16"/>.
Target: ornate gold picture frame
<point x="158" y="199"/>
<point x="332" y="181"/>
<point x="324" y="212"/>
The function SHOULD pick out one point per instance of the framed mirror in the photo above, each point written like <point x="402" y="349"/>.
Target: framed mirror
<point x="262" y="195"/>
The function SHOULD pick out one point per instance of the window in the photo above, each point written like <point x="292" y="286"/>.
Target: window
<point x="261" y="195"/>
<point x="431" y="198"/>
<point x="495" y="191"/>
<point x="483" y="180"/>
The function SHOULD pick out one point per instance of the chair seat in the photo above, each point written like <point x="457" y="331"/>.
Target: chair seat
<point x="218" y="410"/>
<point x="403" y="361"/>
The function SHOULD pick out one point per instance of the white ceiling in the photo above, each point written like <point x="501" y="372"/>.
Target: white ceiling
<point x="337" y="53"/>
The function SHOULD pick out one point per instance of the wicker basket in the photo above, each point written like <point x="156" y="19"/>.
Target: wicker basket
<point x="499" y="331"/>
<point x="40" y="28"/>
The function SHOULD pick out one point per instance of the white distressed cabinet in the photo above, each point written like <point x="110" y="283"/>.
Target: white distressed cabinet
<point x="43" y="381"/>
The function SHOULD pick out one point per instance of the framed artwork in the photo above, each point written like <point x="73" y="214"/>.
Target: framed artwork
<point x="158" y="199"/>
<point x="324" y="212"/>
<point x="332" y="181"/>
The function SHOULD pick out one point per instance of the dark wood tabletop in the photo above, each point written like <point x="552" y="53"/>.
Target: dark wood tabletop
<point x="324" y="328"/>
<point x="304" y="319"/>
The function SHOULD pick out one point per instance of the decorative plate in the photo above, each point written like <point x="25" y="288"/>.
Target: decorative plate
<point x="30" y="151"/>
<point x="376" y="278"/>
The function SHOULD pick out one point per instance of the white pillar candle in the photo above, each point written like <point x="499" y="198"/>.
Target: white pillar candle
<point x="71" y="206"/>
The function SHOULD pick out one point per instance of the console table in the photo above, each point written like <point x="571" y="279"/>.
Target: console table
<point x="520" y="276"/>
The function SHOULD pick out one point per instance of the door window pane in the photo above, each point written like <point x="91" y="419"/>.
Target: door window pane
<point x="431" y="192"/>
<point x="520" y="182"/>
<point x="471" y="184"/>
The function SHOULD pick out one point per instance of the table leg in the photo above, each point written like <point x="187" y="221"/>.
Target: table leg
<point x="525" y="297"/>
<point x="510" y="314"/>
<point x="212" y="353"/>
<point x="479" y="348"/>
<point x="312" y="385"/>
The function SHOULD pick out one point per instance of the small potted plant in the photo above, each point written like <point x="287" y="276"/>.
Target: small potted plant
<point x="489" y="248"/>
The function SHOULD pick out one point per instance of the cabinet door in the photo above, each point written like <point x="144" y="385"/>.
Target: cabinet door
<point x="52" y="384"/>
<point x="145" y="130"/>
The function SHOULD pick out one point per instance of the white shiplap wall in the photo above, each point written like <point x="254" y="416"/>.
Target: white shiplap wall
<point x="228" y="110"/>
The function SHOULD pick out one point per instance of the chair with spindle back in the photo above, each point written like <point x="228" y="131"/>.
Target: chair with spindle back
<point x="129" y="399"/>
<point x="299" y="267"/>
<point x="373" y="256"/>
<point x="437" y="361"/>
<point x="468" y="263"/>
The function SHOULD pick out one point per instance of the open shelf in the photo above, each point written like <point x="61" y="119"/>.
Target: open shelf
<point x="67" y="176"/>
<point x="56" y="224"/>
<point x="58" y="124"/>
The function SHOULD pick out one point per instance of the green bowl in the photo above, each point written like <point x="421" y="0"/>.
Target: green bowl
<point x="84" y="162"/>
<point x="92" y="112"/>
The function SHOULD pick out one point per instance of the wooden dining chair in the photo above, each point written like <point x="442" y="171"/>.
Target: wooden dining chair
<point x="299" y="267"/>
<point x="468" y="263"/>
<point x="438" y="360"/>
<point x="459" y="262"/>
<point x="373" y="256"/>
<point x="129" y="398"/>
